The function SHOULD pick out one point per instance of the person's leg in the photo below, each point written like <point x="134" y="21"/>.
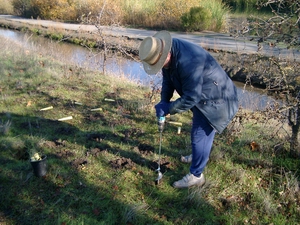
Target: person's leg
<point x="202" y="137"/>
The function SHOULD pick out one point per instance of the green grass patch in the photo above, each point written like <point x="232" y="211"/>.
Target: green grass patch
<point x="101" y="164"/>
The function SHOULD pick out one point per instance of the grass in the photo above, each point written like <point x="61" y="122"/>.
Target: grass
<point x="101" y="164"/>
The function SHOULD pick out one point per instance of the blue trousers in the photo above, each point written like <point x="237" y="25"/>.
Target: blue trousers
<point x="202" y="137"/>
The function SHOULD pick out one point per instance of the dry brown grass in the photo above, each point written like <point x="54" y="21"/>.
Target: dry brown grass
<point x="6" y="7"/>
<point x="158" y="14"/>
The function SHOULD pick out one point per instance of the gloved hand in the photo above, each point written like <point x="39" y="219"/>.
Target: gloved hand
<point x="162" y="109"/>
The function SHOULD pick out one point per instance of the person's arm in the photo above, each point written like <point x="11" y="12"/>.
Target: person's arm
<point x="167" y="89"/>
<point x="191" y="81"/>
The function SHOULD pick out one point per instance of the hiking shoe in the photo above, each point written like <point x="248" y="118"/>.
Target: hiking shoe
<point x="189" y="180"/>
<point x="186" y="159"/>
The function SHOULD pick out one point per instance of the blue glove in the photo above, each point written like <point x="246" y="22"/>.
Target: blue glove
<point x="162" y="109"/>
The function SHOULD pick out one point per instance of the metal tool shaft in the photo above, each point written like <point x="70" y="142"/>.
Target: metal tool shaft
<point x="159" y="153"/>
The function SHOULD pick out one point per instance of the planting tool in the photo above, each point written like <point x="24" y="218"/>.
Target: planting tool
<point x="161" y="124"/>
<point x="158" y="169"/>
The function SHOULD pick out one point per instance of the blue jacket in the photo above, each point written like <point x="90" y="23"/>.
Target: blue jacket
<point x="201" y="82"/>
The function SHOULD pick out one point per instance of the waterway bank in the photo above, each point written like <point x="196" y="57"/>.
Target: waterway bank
<point x="238" y="57"/>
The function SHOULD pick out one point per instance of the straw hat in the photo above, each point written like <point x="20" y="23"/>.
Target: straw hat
<point x="154" y="50"/>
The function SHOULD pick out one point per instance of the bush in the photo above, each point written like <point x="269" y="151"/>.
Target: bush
<point x="22" y="7"/>
<point x="197" y="19"/>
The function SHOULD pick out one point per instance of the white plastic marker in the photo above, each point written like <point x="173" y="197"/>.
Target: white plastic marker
<point x="97" y="109"/>
<point x="77" y="103"/>
<point x="178" y="130"/>
<point x="65" y="118"/>
<point x="177" y="124"/>
<point x="47" y="108"/>
<point x="109" y="100"/>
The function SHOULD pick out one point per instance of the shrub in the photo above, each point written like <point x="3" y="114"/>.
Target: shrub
<point x="197" y="19"/>
<point x="22" y="7"/>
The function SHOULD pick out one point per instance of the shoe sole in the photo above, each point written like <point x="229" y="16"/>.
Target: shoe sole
<point x="200" y="184"/>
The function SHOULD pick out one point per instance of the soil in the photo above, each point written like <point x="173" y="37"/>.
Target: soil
<point x="121" y="163"/>
<point x="62" y="151"/>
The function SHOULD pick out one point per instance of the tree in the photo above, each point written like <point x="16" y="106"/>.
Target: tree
<point x="282" y="28"/>
<point x="284" y="25"/>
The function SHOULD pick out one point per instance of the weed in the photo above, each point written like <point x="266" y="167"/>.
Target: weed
<point x="4" y="127"/>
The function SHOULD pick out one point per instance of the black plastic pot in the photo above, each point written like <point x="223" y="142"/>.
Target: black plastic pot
<point x="40" y="167"/>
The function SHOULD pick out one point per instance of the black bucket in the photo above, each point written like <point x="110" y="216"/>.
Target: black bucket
<point x="40" y="167"/>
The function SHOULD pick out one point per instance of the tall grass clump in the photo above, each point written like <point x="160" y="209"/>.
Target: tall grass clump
<point x="219" y="12"/>
<point x="210" y="15"/>
<point x="242" y="5"/>
<point x="74" y="11"/>
<point x="170" y="12"/>
<point x="157" y="13"/>
<point x="104" y="12"/>
<point x="54" y="10"/>
<point x="166" y="14"/>
<point x="197" y="19"/>
<point x="140" y="13"/>
<point x="6" y="7"/>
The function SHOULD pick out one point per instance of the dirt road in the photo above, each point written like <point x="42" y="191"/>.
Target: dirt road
<point x="208" y="40"/>
<point x="238" y="56"/>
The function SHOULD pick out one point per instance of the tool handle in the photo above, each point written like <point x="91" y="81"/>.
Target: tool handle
<point x="175" y="123"/>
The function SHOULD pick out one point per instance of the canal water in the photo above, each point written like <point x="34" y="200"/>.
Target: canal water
<point x="250" y="98"/>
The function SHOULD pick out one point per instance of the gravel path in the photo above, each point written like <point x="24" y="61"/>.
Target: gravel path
<point x="209" y="40"/>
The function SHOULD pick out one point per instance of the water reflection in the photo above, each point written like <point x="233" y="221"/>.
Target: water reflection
<point x="250" y="98"/>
